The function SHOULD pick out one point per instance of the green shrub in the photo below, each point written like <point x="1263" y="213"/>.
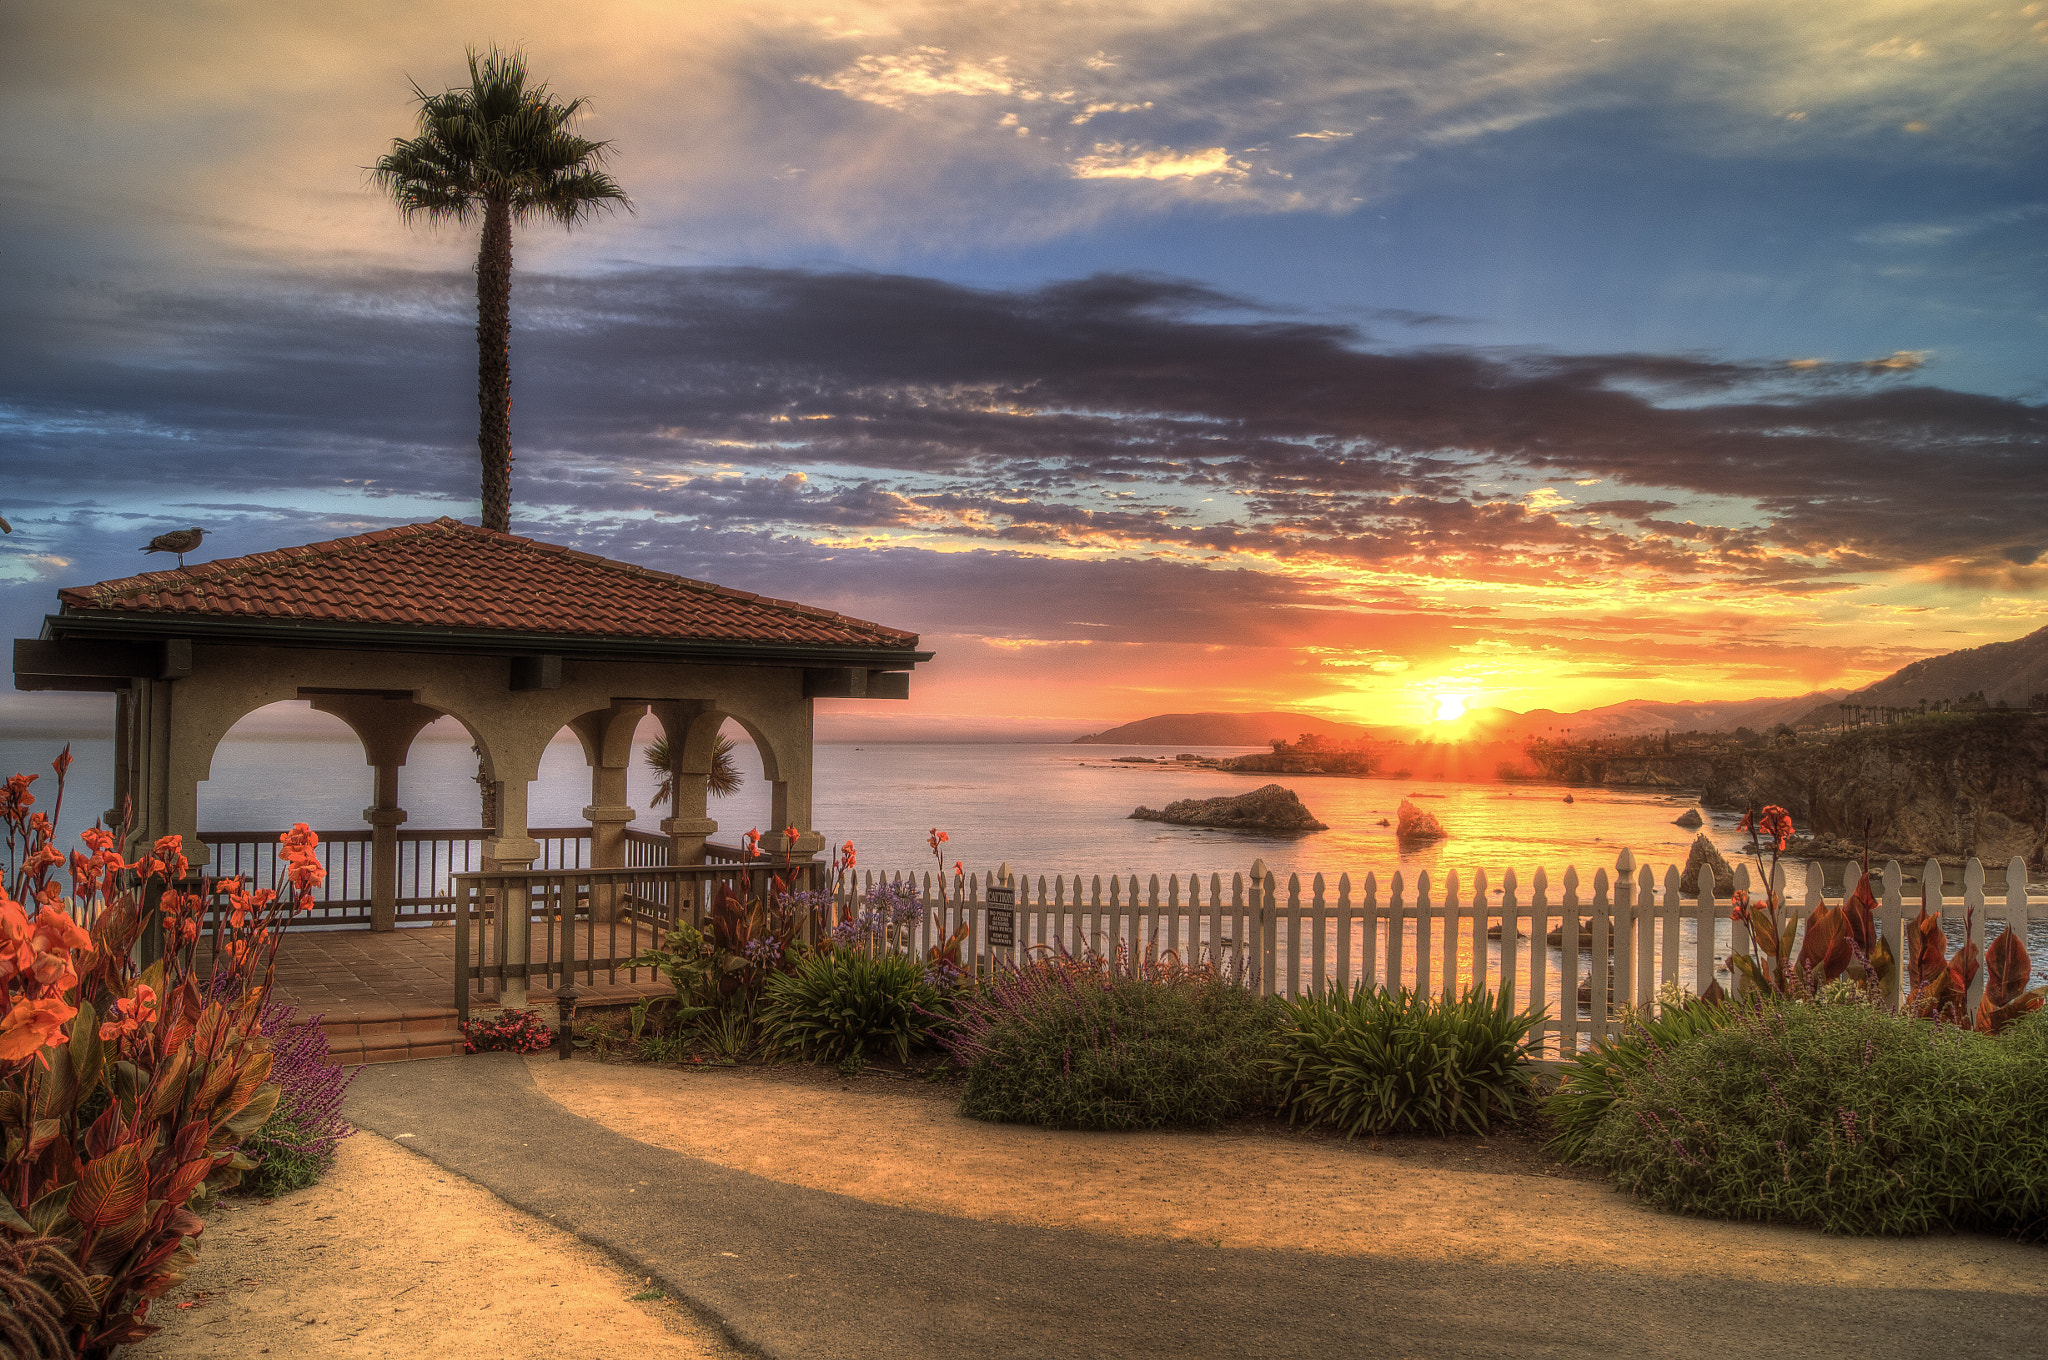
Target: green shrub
<point x="1080" y="1044"/>
<point x="1594" y="1078"/>
<point x="841" y="1004"/>
<point x="1382" y="1061"/>
<point x="292" y="1153"/>
<point x="1848" y="1117"/>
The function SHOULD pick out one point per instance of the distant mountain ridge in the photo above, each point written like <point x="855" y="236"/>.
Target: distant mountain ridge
<point x="1224" y="729"/>
<point x="1631" y="718"/>
<point x="2012" y="672"/>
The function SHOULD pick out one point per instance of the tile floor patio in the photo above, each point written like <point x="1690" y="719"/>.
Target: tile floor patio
<point x="390" y="995"/>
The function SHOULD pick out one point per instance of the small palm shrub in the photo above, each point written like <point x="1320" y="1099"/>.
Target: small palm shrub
<point x="1381" y="1061"/>
<point x="843" y="1004"/>
<point x="1848" y="1117"/>
<point x="1093" y="1044"/>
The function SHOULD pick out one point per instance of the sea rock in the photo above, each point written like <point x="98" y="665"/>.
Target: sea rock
<point x="1704" y="855"/>
<point x="1271" y="808"/>
<point x="1690" y="819"/>
<point x="1412" y="823"/>
<point x="1556" y="935"/>
<point x="1569" y="799"/>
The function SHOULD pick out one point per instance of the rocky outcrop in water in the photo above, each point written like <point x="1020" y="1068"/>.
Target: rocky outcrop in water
<point x="1412" y="823"/>
<point x="1704" y="858"/>
<point x="1270" y="808"/>
<point x="1690" y="819"/>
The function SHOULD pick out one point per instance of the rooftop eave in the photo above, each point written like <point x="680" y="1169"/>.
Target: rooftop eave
<point x="384" y="637"/>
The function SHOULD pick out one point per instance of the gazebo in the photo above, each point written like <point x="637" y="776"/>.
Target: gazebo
<point x="513" y="638"/>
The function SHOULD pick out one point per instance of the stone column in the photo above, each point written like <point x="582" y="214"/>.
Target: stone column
<point x="385" y="816"/>
<point x="686" y="837"/>
<point x="512" y="850"/>
<point x="608" y="823"/>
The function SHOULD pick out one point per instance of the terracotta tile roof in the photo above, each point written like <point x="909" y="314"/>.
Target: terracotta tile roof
<point x="448" y="574"/>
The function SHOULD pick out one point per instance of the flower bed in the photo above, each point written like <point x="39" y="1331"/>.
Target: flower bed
<point x="126" y="1092"/>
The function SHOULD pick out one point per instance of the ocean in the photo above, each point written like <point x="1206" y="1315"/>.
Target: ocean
<point x="1040" y="808"/>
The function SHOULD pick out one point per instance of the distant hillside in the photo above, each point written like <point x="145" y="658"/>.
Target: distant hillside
<point x="1649" y="717"/>
<point x="1635" y="718"/>
<point x="2010" y="671"/>
<point x="1224" y="729"/>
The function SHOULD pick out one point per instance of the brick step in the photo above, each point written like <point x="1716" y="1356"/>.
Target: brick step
<point x="367" y="1020"/>
<point x="399" y="1046"/>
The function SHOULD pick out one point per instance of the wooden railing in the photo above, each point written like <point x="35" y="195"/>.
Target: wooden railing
<point x="584" y="924"/>
<point x="1438" y="935"/>
<point x="427" y="864"/>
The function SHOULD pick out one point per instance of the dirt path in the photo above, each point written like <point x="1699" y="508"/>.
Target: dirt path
<point x="392" y="1257"/>
<point x="896" y="1142"/>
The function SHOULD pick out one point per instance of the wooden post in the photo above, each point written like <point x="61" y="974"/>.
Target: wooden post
<point x="1422" y="933"/>
<point x="1892" y="921"/>
<point x="1568" y="957"/>
<point x="1973" y="907"/>
<point x="1623" y="942"/>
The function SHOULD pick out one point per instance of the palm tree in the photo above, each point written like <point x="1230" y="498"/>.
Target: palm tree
<point x="722" y="781"/>
<point x="503" y="150"/>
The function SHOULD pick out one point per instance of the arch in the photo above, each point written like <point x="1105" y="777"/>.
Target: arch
<point x="700" y="727"/>
<point x="241" y="801"/>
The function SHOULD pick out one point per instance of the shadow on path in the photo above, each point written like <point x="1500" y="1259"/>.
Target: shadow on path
<point x="797" y="1273"/>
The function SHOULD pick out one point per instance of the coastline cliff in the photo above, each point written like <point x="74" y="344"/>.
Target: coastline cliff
<point x="1941" y="787"/>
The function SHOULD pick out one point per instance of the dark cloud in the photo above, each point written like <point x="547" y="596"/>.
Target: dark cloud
<point x="1125" y="412"/>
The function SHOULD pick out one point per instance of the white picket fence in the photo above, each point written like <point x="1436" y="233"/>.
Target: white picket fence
<point x="1297" y="938"/>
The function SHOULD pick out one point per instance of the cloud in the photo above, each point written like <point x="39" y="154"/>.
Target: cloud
<point x="1115" y="414"/>
<point x="1114" y="160"/>
<point x="244" y="126"/>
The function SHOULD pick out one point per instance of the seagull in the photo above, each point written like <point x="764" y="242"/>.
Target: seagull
<point x="179" y="541"/>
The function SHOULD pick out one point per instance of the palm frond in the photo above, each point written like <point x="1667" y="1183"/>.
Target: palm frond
<point x="498" y="139"/>
<point x="722" y="781"/>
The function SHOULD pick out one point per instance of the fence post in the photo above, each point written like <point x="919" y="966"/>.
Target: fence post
<point x="1256" y="905"/>
<point x="1510" y="941"/>
<point x="1894" y="916"/>
<point x="1622" y="959"/>
<point x="1570" y="941"/>
<point x="1973" y="929"/>
<point x="1397" y="934"/>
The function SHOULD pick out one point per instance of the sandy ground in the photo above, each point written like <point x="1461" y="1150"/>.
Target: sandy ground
<point x="391" y="1257"/>
<point x="892" y="1141"/>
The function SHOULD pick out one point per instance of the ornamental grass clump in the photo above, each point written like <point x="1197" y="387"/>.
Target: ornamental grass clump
<point x="1093" y="1043"/>
<point x="1847" y="1116"/>
<point x="1380" y="1061"/>
<point x="843" y="1005"/>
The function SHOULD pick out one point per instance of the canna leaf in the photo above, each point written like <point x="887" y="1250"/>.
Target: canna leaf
<point x="252" y="1116"/>
<point x="1860" y="913"/>
<point x="1882" y="963"/>
<point x="1928" y="949"/>
<point x="113" y="1189"/>
<point x="87" y="1052"/>
<point x="59" y="1093"/>
<point x="46" y="1213"/>
<point x="2006" y="969"/>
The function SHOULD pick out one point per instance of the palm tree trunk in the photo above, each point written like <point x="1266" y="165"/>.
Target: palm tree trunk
<point x="494" y="364"/>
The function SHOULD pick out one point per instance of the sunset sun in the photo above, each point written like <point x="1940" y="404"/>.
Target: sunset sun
<point x="1450" y="707"/>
